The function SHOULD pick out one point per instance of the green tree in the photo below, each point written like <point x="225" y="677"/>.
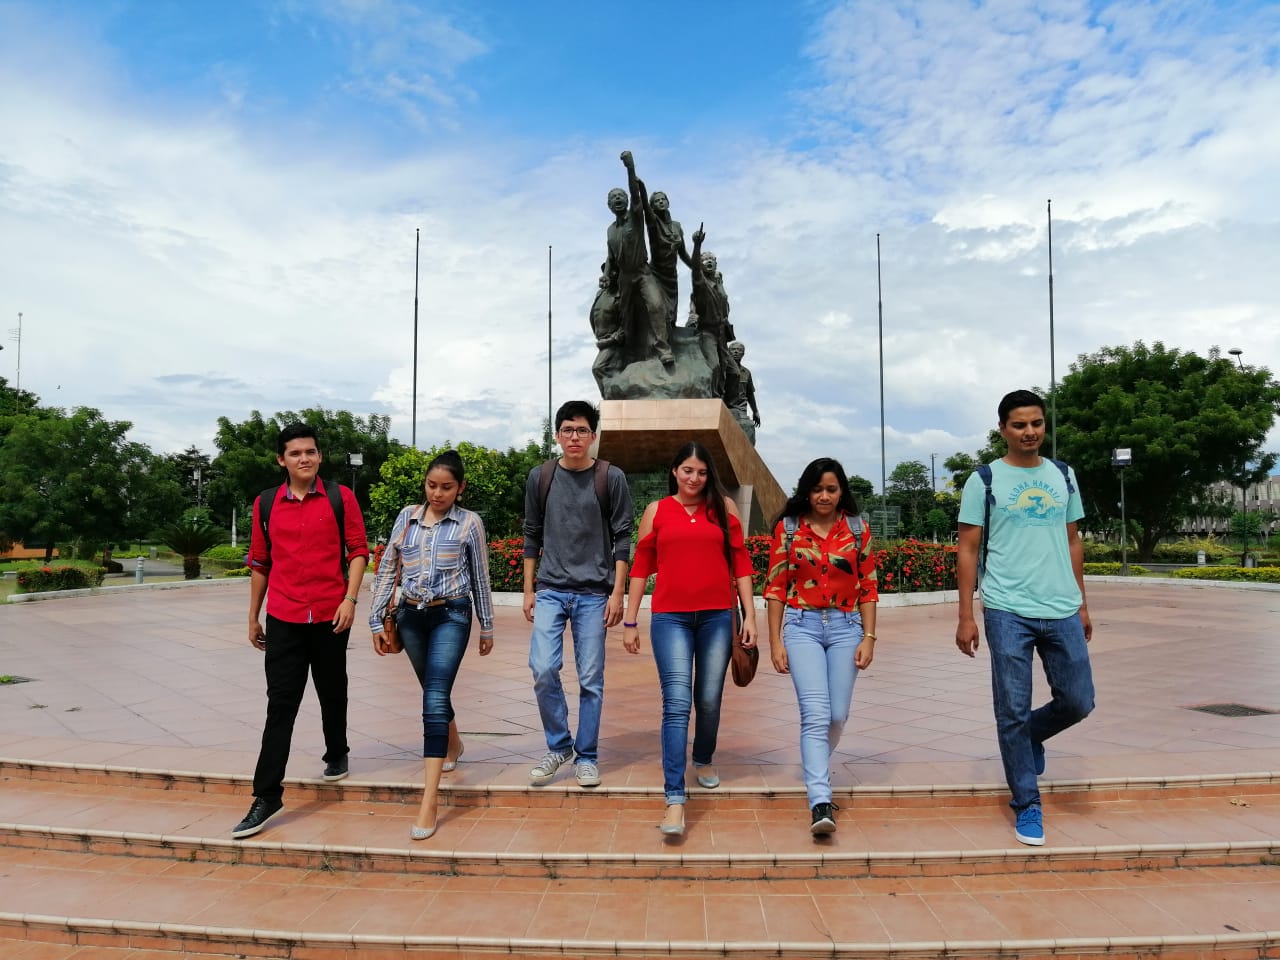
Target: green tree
<point x="404" y="473"/>
<point x="74" y="476"/>
<point x="185" y="467"/>
<point x="862" y="491"/>
<point x="911" y="491"/>
<point x="1189" y="420"/>
<point x="961" y="467"/>
<point x="246" y="461"/>
<point x="506" y="517"/>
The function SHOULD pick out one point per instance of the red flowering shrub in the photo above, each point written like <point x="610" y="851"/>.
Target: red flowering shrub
<point x="914" y="566"/>
<point x="908" y="566"/>
<point x="506" y="565"/>
<point x="61" y="577"/>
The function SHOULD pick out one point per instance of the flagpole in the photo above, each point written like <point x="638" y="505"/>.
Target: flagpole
<point x="1053" y="379"/>
<point x="550" y="425"/>
<point x="413" y="438"/>
<point x="884" y="502"/>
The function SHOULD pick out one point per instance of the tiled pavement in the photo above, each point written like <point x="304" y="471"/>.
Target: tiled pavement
<point x="166" y="680"/>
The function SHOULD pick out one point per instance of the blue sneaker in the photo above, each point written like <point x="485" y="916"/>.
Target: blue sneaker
<point x="1030" y="828"/>
<point x="1037" y="757"/>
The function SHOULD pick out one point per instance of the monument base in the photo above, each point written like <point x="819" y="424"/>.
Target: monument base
<point x="641" y="436"/>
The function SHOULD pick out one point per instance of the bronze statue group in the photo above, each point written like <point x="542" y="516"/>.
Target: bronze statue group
<point x="308" y="555"/>
<point x="634" y="313"/>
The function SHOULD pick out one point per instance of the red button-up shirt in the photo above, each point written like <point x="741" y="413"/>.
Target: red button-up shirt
<point x="306" y="582"/>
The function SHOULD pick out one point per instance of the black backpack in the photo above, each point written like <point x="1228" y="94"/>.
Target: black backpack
<point x="989" y="501"/>
<point x="267" y="499"/>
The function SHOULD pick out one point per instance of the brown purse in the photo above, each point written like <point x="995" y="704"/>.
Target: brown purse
<point x="391" y="641"/>
<point x="743" y="660"/>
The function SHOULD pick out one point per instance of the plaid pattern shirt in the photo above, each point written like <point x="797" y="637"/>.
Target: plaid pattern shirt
<point x="449" y="559"/>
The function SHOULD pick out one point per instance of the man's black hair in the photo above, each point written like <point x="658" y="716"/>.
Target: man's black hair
<point x="295" y="431"/>
<point x="578" y="408"/>
<point x="1019" y="398"/>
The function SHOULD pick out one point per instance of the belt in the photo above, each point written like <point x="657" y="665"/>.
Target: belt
<point x="437" y="602"/>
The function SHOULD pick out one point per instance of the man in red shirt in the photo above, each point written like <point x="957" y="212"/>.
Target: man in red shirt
<point x="311" y="605"/>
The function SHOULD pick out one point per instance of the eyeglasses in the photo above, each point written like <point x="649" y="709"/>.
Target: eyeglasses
<point x="568" y="432"/>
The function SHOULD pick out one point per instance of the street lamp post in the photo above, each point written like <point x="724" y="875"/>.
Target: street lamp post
<point x="354" y="460"/>
<point x="1122" y="457"/>
<point x="1244" y="486"/>
<point x="198" y="477"/>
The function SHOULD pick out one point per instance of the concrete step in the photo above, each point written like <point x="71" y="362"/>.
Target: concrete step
<point x="609" y="837"/>
<point x="246" y="910"/>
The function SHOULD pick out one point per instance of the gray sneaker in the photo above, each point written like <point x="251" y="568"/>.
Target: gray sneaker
<point x="548" y="766"/>
<point x="587" y="772"/>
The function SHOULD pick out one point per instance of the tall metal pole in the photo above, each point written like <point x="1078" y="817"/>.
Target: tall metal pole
<point x="18" y="378"/>
<point x="1124" y="532"/>
<point x="884" y="501"/>
<point x="1053" y="377"/>
<point x="413" y="436"/>
<point x="550" y="425"/>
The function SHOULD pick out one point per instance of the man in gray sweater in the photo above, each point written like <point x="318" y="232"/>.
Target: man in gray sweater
<point x="577" y="542"/>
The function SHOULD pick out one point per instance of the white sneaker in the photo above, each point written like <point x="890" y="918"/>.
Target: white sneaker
<point x="547" y="767"/>
<point x="587" y="772"/>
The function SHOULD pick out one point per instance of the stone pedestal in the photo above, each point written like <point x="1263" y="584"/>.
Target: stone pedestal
<point x="642" y="436"/>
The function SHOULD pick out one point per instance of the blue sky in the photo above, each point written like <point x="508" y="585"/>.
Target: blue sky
<point x="208" y="208"/>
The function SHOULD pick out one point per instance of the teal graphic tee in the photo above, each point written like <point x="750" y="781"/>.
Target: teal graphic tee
<point x="1028" y="563"/>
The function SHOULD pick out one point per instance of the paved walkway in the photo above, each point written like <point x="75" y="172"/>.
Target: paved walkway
<point x="167" y="680"/>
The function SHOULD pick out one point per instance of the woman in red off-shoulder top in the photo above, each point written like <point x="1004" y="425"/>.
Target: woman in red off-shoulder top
<point x="692" y="541"/>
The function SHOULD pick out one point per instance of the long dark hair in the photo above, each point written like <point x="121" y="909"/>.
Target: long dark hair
<point x="797" y="504"/>
<point x="713" y="493"/>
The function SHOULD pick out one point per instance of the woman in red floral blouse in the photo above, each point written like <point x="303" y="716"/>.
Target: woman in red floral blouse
<point x="822" y="595"/>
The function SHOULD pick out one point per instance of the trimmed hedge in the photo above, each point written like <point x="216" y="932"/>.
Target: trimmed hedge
<point x="1243" y="574"/>
<point x="1113" y="569"/>
<point x="63" y="576"/>
<point x="226" y="552"/>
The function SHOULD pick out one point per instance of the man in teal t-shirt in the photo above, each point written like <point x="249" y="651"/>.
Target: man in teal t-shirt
<point x="1032" y="599"/>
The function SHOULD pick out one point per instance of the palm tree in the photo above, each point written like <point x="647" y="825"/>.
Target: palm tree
<point x="191" y="537"/>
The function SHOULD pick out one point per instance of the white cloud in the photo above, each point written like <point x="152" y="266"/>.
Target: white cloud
<point x="275" y="266"/>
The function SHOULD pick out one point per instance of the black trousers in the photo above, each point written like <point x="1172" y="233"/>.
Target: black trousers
<point x="292" y="650"/>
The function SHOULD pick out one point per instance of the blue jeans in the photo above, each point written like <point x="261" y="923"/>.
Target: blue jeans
<point x="435" y="638"/>
<point x="692" y="652"/>
<point x="584" y="612"/>
<point x="820" y="646"/>
<point x="1012" y="641"/>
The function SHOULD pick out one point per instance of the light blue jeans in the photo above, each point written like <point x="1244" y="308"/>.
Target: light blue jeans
<point x="1013" y="641"/>
<point x="584" y="614"/>
<point x="692" y="652"/>
<point x="820" y="646"/>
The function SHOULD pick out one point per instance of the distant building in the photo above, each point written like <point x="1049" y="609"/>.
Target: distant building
<point x="1261" y="497"/>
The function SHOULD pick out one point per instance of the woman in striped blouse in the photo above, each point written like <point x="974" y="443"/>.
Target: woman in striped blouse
<point x="442" y="557"/>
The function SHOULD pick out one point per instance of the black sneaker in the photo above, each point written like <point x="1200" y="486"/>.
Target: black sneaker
<point x="257" y="817"/>
<point x="824" y="819"/>
<point x="336" y="770"/>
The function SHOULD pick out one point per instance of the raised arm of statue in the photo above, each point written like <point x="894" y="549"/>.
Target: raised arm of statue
<point x="684" y="254"/>
<point x="695" y="259"/>
<point x="633" y="182"/>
